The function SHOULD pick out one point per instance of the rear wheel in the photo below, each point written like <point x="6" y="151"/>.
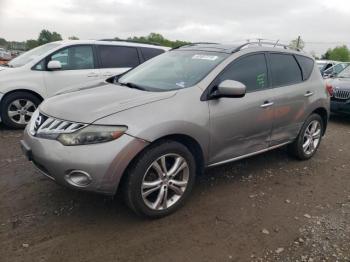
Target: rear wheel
<point x="160" y="179"/>
<point x="309" y="139"/>
<point x="17" y="109"/>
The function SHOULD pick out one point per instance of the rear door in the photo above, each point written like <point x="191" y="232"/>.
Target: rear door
<point x="78" y="67"/>
<point x="115" y="60"/>
<point x="291" y="96"/>
<point x="240" y="126"/>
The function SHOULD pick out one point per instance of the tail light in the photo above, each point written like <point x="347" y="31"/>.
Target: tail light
<point x="330" y="90"/>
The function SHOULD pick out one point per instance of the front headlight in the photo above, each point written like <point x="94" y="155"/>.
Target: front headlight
<point x="92" y="134"/>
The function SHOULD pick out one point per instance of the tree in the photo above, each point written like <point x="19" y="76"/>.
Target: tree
<point x="31" y="43"/>
<point x="46" y="36"/>
<point x="73" y="38"/>
<point x="297" y="44"/>
<point x="339" y="53"/>
<point x="155" y="38"/>
<point x="3" y="42"/>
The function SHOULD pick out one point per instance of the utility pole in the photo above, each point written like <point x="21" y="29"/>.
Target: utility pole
<point x="298" y="42"/>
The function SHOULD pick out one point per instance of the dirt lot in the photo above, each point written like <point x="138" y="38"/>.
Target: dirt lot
<point x="266" y="208"/>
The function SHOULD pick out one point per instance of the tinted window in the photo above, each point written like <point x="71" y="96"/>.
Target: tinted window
<point x="250" y="70"/>
<point x="149" y="53"/>
<point x="285" y="70"/>
<point x="75" y="58"/>
<point x="118" y="56"/>
<point x="307" y="65"/>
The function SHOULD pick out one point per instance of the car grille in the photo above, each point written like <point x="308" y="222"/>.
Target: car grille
<point x="342" y="94"/>
<point x="43" y="124"/>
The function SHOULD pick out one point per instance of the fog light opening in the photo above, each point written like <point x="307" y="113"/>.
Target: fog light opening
<point x="78" y="178"/>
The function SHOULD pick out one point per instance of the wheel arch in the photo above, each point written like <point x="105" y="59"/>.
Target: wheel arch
<point x="323" y="113"/>
<point x="188" y="141"/>
<point x="23" y="90"/>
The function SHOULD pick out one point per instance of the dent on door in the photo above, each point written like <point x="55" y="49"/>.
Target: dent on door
<point x="239" y="126"/>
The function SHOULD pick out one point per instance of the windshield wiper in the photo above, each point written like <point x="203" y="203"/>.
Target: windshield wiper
<point x="132" y="85"/>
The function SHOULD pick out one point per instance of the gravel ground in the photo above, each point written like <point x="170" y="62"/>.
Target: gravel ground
<point x="265" y="208"/>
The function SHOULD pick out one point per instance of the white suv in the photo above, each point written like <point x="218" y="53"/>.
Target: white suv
<point x="48" y="69"/>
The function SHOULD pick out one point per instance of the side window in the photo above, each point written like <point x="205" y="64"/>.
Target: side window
<point x="118" y="56"/>
<point x="75" y="58"/>
<point x="250" y="70"/>
<point x="307" y="65"/>
<point x="285" y="70"/>
<point x="149" y="53"/>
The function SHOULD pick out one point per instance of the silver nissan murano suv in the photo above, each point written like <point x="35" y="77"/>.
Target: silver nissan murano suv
<point x="151" y="131"/>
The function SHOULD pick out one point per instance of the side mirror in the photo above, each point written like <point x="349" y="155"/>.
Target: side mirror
<point x="230" y="88"/>
<point x="54" y="65"/>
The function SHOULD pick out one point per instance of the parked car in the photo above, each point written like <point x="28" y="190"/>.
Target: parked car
<point x="335" y="70"/>
<point x="162" y="123"/>
<point x="323" y="65"/>
<point x="5" y="55"/>
<point x="46" y="70"/>
<point x="339" y="88"/>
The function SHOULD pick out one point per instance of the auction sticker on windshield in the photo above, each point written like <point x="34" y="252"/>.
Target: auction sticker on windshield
<point x="205" y="57"/>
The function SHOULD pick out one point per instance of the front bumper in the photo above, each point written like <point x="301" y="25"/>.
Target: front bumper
<point x="105" y="162"/>
<point x="341" y="107"/>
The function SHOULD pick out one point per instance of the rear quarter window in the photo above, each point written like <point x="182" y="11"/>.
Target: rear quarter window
<point x="148" y="53"/>
<point x="306" y="64"/>
<point x="285" y="70"/>
<point x="118" y="56"/>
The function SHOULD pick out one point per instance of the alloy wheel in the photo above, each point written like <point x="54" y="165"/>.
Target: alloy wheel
<point x="20" y="111"/>
<point x="165" y="181"/>
<point x="312" y="137"/>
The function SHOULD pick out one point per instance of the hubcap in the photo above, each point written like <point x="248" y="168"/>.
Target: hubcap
<point x="165" y="181"/>
<point x="312" y="137"/>
<point x="21" y="110"/>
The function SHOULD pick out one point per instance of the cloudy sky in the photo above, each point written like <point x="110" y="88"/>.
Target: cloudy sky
<point x="321" y="23"/>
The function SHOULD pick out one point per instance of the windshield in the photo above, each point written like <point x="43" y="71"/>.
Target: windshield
<point x="32" y="54"/>
<point x="337" y="68"/>
<point x="345" y="73"/>
<point x="173" y="70"/>
<point x="320" y="65"/>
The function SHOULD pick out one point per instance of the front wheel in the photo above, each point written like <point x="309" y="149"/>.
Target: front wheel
<point x="160" y="179"/>
<point x="309" y="138"/>
<point x="17" y="109"/>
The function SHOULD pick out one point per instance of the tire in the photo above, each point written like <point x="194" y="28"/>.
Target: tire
<point x="144" y="170"/>
<point x="23" y="104"/>
<point x="297" y="148"/>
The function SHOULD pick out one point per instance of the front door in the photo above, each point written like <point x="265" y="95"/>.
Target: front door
<point x="241" y="126"/>
<point x="78" y="67"/>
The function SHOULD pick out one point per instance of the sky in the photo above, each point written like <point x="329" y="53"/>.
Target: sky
<point x="322" y="24"/>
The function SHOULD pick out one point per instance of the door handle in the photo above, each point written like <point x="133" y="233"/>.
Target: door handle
<point x="92" y="75"/>
<point x="308" y="93"/>
<point x="108" y="74"/>
<point x="266" y="104"/>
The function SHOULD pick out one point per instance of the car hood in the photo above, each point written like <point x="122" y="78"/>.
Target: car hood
<point x="89" y="105"/>
<point x="343" y="83"/>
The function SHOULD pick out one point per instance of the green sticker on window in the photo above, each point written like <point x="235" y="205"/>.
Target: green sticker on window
<point x="260" y="80"/>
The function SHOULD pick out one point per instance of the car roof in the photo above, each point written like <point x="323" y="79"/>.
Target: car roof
<point x="110" y="42"/>
<point x="326" y="61"/>
<point x="233" y="48"/>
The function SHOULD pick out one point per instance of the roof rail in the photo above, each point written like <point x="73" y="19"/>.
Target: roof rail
<point x="260" y="42"/>
<point x="195" y="43"/>
<point x="129" y="41"/>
